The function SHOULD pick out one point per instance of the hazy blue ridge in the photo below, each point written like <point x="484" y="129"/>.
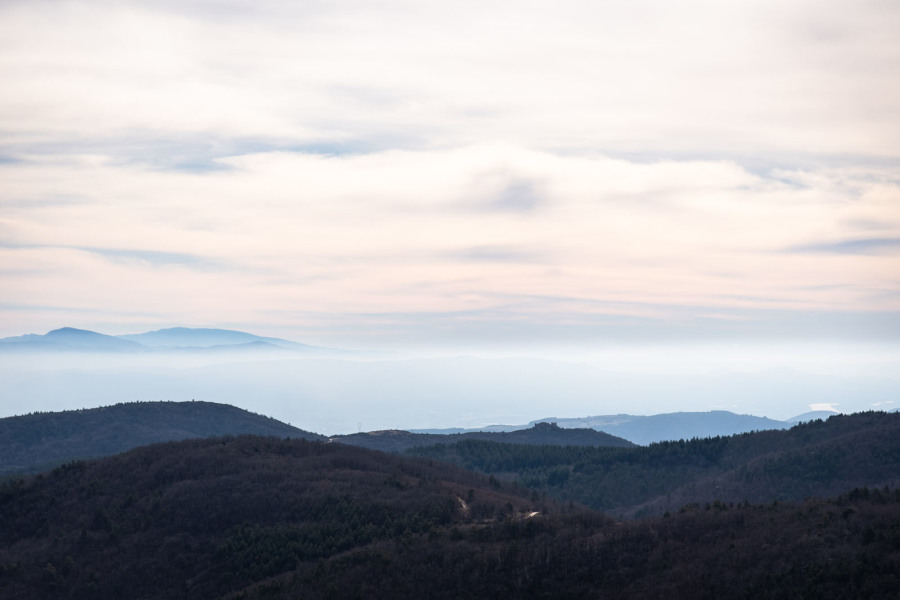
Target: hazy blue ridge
<point x="644" y="429"/>
<point x="810" y="416"/>
<point x="179" y="339"/>
<point x="70" y="339"/>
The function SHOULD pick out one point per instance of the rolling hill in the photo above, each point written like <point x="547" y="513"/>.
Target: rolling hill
<point x="43" y="440"/>
<point x="647" y="429"/>
<point x="249" y="517"/>
<point x="68" y="339"/>
<point x="814" y="459"/>
<point x="201" y="518"/>
<point x="540" y="434"/>
<point x="185" y="337"/>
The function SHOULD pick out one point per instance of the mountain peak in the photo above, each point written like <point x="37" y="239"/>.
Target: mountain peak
<point x="70" y="339"/>
<point x="72" y="331"/>
<point x="187" y="337"/>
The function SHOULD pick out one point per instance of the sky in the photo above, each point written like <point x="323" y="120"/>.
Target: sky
<point x="458" y="175"/>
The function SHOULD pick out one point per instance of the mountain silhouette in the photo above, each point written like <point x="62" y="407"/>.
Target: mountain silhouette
<point x="69" y="339"/>
<point x="39" y="440"/>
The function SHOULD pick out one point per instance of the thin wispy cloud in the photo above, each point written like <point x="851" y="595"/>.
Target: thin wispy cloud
<point x="133" y="256"/>
<point x="498" y="254"/>
<point x="571" y="76"/>
<point x="858" y="246"/>
<point x="520" y="196"/>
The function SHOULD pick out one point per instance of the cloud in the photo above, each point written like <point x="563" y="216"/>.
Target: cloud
<point x="858" y="246"/>
<point x="827" y="406"/>
<point x="154" y="258"/>
<point x="520" y="196"/>
<point x="130" y="256"/>
<point x="499" y="254"/>
<point x="648" y="78"/>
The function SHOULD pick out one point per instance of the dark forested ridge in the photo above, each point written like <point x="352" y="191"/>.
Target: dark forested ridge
<point x="198" y="518"/>
<point x="252" y="517"/>
<point x="39" y="441"/>
<point x="43" y="440"/>
<point x="819" y="458"/>
<point x="646" y="429"/>
<point x="847" y="548"/>
<point x="540" y="434"/>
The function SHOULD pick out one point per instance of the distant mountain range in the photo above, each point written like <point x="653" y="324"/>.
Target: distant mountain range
<point x="68" y="339"/>
<point x="333" y="391"/>
<point x="645" y="430"/>
<point x="179" y="339"/>
<point x="184" y="337"/>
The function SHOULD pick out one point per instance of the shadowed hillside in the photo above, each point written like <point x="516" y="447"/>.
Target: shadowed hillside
<point x="844" y="549"/>
<point x="198" y="518"/>
<point x="250" y="517"/>
<point x="43" y="440"/>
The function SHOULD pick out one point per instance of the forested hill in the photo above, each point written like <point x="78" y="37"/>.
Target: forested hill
<point x="200" y="518"/>
<point x="819" y="458"/>
<point x="42" y="440"/>
<point x="541" y="434"/>
<point x="251" y="517"/>
<point x="38" y="441"/>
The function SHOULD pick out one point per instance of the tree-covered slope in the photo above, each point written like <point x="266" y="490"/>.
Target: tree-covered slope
<point x="820" y="458"/>
<point x="540" y="434"/>
<point x="842" y="549"/>
<point x="251" y="517"/>
<point x="199" y="518"/>
<point x="41" y="440"/>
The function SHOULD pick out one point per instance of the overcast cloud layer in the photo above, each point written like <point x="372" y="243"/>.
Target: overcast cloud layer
<point x="370" y="173"/>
